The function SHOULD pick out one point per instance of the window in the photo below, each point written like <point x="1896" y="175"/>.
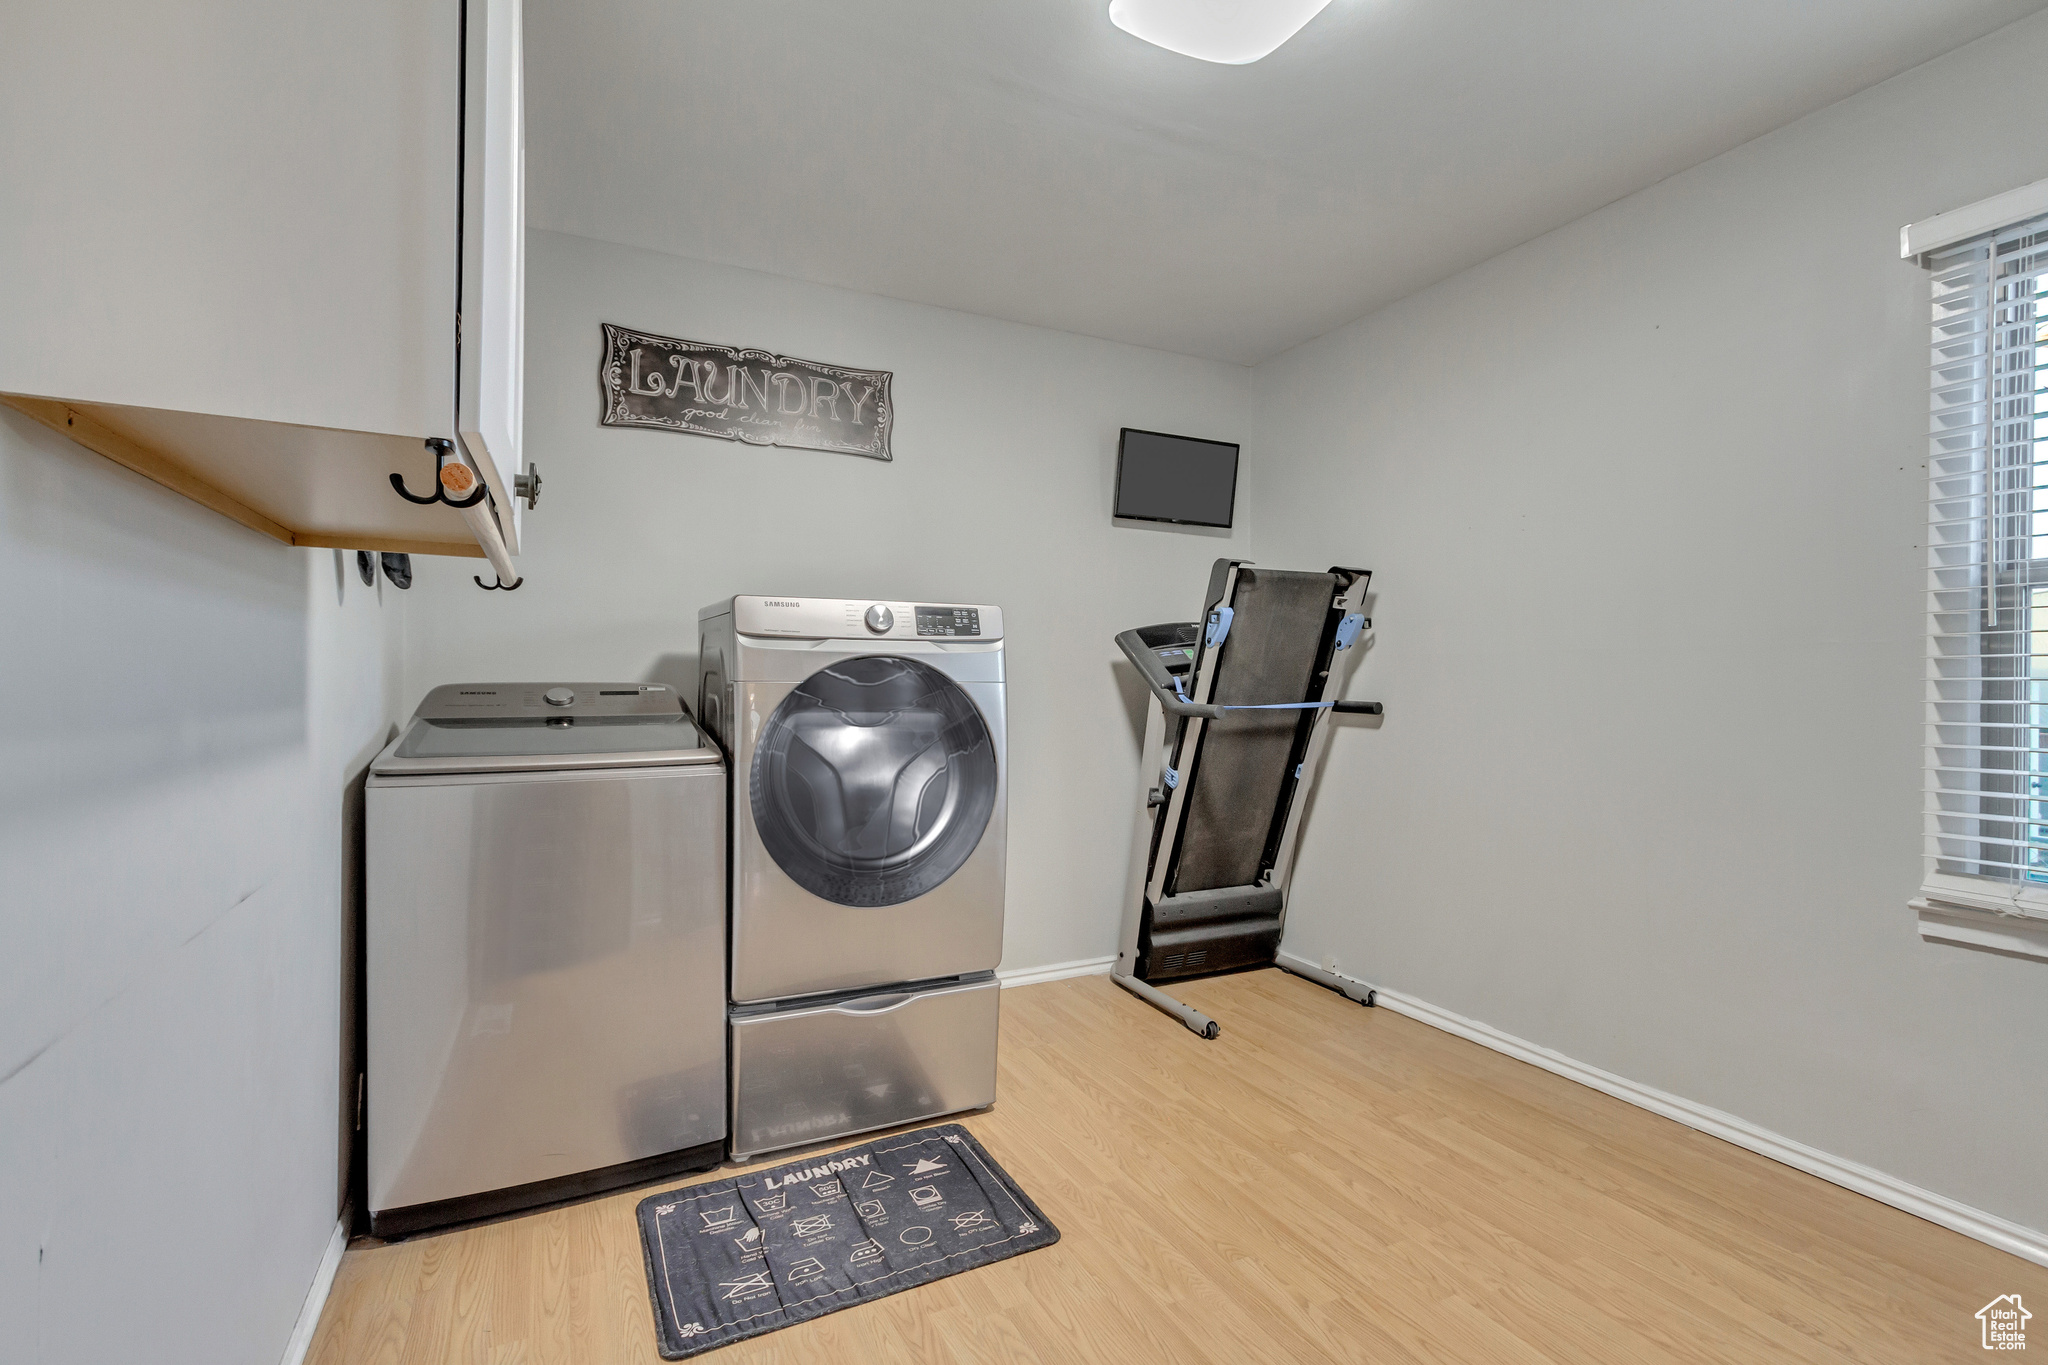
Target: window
<point x="1987" y="694"/>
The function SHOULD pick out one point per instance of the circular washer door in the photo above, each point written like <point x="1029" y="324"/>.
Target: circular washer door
<point x="873" y="781"/>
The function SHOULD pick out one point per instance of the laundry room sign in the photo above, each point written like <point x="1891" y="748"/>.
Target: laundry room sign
<point x="743" y="395"/>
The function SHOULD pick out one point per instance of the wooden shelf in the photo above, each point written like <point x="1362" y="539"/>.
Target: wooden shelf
<point x="311" y="486"/>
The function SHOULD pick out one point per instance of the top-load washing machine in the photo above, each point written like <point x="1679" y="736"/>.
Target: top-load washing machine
<point x="868" y="835"/>
<point x="545" y="950"/>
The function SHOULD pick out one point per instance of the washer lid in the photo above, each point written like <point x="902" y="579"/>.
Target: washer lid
<point x="508" y="703"/>
<point x="525" y="727"/>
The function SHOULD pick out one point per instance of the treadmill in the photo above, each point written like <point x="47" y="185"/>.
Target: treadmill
<point x="1235" y="731"/>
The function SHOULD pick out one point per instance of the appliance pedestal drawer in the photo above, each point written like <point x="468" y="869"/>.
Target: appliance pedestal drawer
<point x="804" y="1071"/>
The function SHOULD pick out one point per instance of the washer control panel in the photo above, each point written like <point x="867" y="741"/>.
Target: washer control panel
<point x="840" y="618"/>
<point x="948" y="621"/>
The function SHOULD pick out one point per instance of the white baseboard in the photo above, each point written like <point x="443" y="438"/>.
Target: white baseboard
<point x="1988" y="1228"/>
<point x="1058" y="971"/>
<point x="316" y="1296"/>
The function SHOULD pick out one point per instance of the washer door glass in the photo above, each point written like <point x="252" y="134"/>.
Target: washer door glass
<point x="873" y="781"/>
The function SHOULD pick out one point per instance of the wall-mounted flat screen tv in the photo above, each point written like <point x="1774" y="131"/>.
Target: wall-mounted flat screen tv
<point x="1181" y="479"/>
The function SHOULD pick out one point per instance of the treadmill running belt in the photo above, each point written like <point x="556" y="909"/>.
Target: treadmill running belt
<point x="1269" y="656"/>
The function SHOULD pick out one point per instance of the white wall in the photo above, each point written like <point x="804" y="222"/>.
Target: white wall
<point x="1005" y="445"/>
<point x="1645" y="498"/>
<point x="187" y="702"/>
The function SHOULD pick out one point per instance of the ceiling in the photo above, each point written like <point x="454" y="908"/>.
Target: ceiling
<point x="1025" y="159"/>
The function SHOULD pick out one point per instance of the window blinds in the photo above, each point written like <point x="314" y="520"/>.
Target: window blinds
<point x="1987" y="571"/>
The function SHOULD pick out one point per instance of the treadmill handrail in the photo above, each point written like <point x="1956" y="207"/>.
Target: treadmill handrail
<point x="1160" y="681"/>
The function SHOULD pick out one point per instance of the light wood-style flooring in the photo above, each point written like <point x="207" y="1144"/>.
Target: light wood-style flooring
<point x="1323" y="1182"/>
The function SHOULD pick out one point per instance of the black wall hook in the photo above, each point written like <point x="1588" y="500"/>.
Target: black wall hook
<point x="442" y="448"/>
<point x="497" y="587"/>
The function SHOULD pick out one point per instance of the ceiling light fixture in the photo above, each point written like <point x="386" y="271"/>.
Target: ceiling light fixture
<point x="1233" y="32"/>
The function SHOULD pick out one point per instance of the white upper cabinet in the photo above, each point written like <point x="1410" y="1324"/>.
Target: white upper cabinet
<point x="494" y="252"/>
<point x="232" y="249"/>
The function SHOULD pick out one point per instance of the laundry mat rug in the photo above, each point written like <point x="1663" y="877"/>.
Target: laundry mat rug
<point x="743" y="1256"/>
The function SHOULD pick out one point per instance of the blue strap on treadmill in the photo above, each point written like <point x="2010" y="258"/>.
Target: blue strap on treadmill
<point x="1219" y="631"/>
<point x="1347" y="634"/>
<point x="1282" y="706"/>
<point x="1181" y="691"/>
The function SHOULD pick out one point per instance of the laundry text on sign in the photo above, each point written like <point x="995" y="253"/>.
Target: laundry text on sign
<point x="746" y="395"/>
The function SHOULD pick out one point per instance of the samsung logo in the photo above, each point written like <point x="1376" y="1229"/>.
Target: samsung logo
<point x="771" y="602"/>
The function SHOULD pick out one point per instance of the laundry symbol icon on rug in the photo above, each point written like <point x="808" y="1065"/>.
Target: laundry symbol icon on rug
<point x="748" y="1287"/>
<point x="809" y="1268"/>
<point x="718" y="1220"/>
<point x="926" y="1196"/>
<point x="926" y="1166"/>
<point x="811" y="1227"/>
<point x="876" y="1180"/>
<point x="914" y="1237"/>
<point x="831" y="1189"/>
<point x="870" y="1208"/>
<point x="972" y="1222"/>
<point x="774" y="1203"/>
<point x="863" y="1252"/>
<point x="748" y="1240"/>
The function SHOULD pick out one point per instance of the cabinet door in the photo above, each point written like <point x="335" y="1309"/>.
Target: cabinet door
<point x="243" y="208"/>
<point x="493" y="340"/>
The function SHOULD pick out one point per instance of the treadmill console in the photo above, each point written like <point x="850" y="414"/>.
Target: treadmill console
<point x="1165" y="652"/>
<point x="1174" y="644"/>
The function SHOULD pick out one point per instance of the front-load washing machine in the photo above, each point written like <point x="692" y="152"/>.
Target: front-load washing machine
<point x="868" y="819"/>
